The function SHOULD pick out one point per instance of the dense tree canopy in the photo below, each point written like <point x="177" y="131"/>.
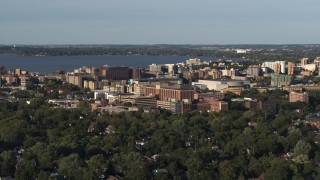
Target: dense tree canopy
<point x="38" y="141"/>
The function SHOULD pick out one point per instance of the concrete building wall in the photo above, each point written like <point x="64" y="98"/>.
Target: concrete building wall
<point x="254" y="70"/>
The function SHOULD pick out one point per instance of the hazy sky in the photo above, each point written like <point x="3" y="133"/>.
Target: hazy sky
<point x="159" y="21"/>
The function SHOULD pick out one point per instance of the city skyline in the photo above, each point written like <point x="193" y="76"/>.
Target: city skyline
<point x="159" y="22"/>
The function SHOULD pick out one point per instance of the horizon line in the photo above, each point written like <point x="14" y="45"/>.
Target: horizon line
<point x="130" y="44"/>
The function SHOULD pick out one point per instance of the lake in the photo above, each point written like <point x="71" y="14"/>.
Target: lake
<point x="48" y="64"/>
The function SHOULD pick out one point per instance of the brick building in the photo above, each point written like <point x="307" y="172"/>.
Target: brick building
<point x="216" y="105"/>
<point x="167" y="91"/>
<point x="202" y="106"/>
<point x="260" y="105"/>
<point x="114" y="73"/>
<point x="291" y="68"/>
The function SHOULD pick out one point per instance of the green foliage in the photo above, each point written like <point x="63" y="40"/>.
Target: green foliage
<point x="71" y="166"/>
<point x="26" y="170"/>
<point x="279" y="170"/>
<point x="227" y="170"/>
<point x="30" y="85"/>
<point x="43" y="176"/>
<point x="12" y="131"/>
<point x="302" y="148"/>
<point x="22" y="94"/>
<point x="7" y="163"/>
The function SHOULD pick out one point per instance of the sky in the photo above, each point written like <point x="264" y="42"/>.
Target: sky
<point x="159" y="22"/>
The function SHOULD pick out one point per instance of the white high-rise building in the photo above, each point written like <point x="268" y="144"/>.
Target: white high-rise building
<point x="282" y="66"/>
<point x="272" y="65"/>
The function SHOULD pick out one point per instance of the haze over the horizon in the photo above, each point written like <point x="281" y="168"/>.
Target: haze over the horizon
<point x="159" y="22"/>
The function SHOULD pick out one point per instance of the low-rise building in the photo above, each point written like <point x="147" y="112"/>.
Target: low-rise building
<point x="202" y="105"/>
<point x="219" y="85"/>
<point x="112" y="109"/>
<point x="172" y="105"/>
<point x="298" y="97"/>
<point x="24" y="79"/>
<point x="306" y="73"/>
<point x="216" y="95"/>
<point x="217" y="105"/>
<point x="65" y="103"/>
<point x="260" y="105"/>
<point x="235" y="90"/>
<point x="146" y="101"/>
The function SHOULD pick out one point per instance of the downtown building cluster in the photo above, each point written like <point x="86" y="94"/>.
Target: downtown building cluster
<point x="186" y="86"/>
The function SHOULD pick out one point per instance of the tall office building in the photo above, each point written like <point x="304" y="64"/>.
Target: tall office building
<point x="75" y="79"/>
<point x="254" y="70"/>
<point x="291" y="68"/>
<point x="317" y="61"/>
<point x="155" y="68"/>
<point x="282" y="66"/>
<point x="215" y="74"/>
<point x="17" y="71"/>
<point x="103" y="71"/>
<point x="304" y="61"/>
<point x="114" y="73"/>
<point x="135" y="73"/>
<point x="277" y="68"/>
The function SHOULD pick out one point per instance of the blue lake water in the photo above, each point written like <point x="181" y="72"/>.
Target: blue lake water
<point x="48" y="64"/>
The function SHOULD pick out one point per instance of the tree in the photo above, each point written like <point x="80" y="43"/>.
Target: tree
<point x="54" y="94"/>
<point x="8" y="162"/>
<point x="30" y="86"/>
<point x="302" y="148"/>
<point x="227" y="170"/>
<point x="71" y="166"/>
<point x="45" y="154"/>
<point x="26" y="170"/>
<point x="96" y="167"/>
<point x="279" y="170"/>
<point x="194" y="165"/>
<point x="11" y="132"/>
<point x="90" y="95"/>
<point x="130" y="165"/>
<point x="43" y="176"/>
<point x="21" y="94"/>
<point x="308" y="168"/>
